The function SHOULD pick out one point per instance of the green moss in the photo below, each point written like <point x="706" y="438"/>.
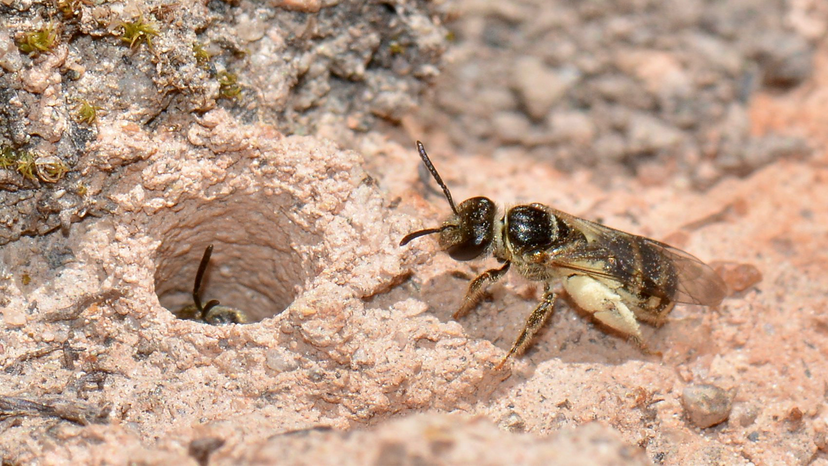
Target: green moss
<point x="229" y="87"/>
<point x="68" y="8"/>
<point x="8" y="158"/>
<point x="202" y="56"/>
<point x="32" y="166"/>
<point x="26" y="165"/>
<point x="41" y="41"/>
<point x="396" y="48"/>
<point x="50" y="169"/>
<point x="86" y="113"/>
<point x="72" y="8"/>
<point x="137" y="31"/>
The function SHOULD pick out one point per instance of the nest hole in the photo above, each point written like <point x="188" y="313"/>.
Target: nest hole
<point x="257" y="264"/>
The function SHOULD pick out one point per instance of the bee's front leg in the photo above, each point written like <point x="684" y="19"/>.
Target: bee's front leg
<point x="533" y="324"/>
<point x="477" y="287"/>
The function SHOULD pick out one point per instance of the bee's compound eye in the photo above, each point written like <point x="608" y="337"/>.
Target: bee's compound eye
<point x="468" y="250"/>
<point x="530" y="229"/>
<point x="475" y="232"/>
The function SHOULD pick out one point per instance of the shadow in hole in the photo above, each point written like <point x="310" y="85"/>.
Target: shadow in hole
<point x="255" y="286"/>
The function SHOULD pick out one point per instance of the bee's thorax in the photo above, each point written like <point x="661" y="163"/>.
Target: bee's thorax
<point x="531" y="228"/>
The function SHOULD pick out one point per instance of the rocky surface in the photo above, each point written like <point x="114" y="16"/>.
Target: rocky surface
<point x="352" y="356"/>
<point x="625" y="87"/>
<point x="158" y="67"/>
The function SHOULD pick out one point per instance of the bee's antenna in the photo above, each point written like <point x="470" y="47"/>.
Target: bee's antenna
<point x="210" y="304"/>
<point x="419" y="233"/>
<point x="205" y="259"/>
<point x="439" y="180"/>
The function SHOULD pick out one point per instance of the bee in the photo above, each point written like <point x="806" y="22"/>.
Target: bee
<point x="213" y="312"/>
<point x="618" y="277"/>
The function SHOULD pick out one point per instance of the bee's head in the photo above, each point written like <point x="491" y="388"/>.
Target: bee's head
<point x="469" y="231"/>
<point x="220" y="315"/>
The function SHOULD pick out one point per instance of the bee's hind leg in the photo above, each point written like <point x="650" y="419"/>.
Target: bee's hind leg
<point x="477" y="287"/>
<point x="605" y="305"/>
<point x="533" y="324"/>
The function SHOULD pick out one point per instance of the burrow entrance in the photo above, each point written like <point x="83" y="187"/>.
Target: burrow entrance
<point x="260" y="259"/>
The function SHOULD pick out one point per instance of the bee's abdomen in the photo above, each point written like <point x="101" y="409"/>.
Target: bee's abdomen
<point x="640" y="264"/>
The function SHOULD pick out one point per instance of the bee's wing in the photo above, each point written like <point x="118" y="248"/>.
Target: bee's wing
<point x="695" y="281"/>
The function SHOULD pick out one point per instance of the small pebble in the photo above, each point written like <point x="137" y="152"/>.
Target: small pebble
<point x="706" y="405"/>
<point x="513" y="422"/>
<point x="739" y="277"/>
<point x="786" y="60"/>
<point x="539" y="86"/>
<point x="9" y="55"/>
<point x="744" y="414"/>
<point x="14" y="317"/>
<point x="279" y="361"/>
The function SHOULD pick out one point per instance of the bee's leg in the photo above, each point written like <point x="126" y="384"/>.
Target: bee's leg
<point x="476" y="288"/>
<point x="654" y="311"/>
<point x="533" y="323"/>
<point x="605" y="305"/>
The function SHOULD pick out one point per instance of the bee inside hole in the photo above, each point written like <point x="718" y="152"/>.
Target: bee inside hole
<point x="212" y="312"/>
